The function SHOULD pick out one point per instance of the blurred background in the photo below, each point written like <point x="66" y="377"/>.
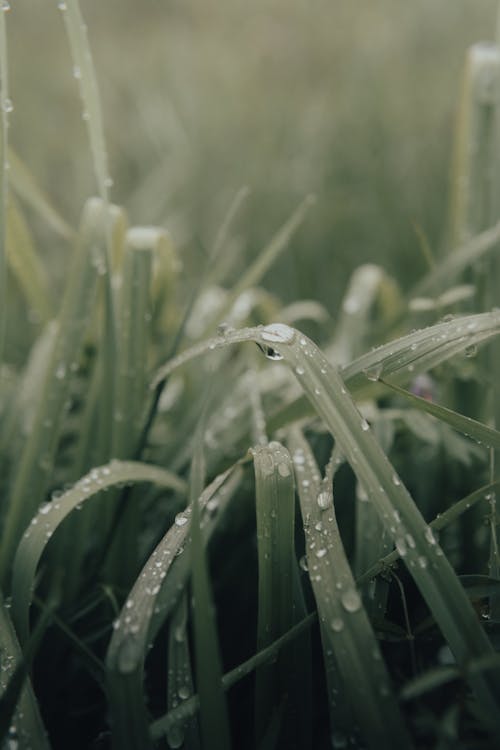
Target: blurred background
<point x="353" y="101"/>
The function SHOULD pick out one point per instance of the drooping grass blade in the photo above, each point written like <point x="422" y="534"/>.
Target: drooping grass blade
<point x="366" y="690"/>
<point x="326" y="390"/>
<point x="50" y="515"/>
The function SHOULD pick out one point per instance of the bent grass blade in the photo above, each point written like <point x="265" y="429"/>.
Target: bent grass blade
<point x="50" y="515"/>
<point x="326" y="390"/>
<point x="150" y="601"/>
<point x="346" y="632"/>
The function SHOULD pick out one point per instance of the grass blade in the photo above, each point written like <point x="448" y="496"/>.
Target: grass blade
<point x="27" y="729"/>
<point x="5" y="108"/>
<point x="50" y="515"/>
<point x="152" y="598"/>
<point x="326" y="390"/>
<point x="345" y="628"/>
<point x="471" y="427"/>
<point x="26" y="265"/>
<point x="214" y="720"/>
<point x="190" y="707"/>
<point x="36" y="460"/>
<point x="275" y="507"/>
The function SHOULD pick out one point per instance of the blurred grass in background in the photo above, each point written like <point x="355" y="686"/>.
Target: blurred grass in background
<point x="352" y="101"/>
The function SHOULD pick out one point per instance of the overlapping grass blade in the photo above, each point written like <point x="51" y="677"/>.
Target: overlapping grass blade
<point x="326" y="390"/>
<point x="152" y="598"/>
<point x="275" y="508"/>
<point x="31" y="475"/>
<point x="50" y="515"/>
<point x="471" y="427"/>
<point x="345" y="628"/>
<point x="440" y="522"/>
<point x="26" y="729"/>
<point x="189" y="707"/>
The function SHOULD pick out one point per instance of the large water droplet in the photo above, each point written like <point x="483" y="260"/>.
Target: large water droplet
<point x="128" y="655"/>
<point x="180" y="519"/>
<point x="175" y="736"/>
<point x="277" y="333"/>
<point x="325" y="500"/>
<point x="337" y="624"/>
<point x="351" y="600"/>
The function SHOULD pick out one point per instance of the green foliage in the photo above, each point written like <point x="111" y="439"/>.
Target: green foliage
<point x="345" y="592"/>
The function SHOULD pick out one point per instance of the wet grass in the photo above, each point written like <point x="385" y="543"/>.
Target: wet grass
<point x="216" y="532"/>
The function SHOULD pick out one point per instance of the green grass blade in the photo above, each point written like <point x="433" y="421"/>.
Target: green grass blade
<point x="27" y="729"/>
<point x="25" y="187"/>
<point x="180" y="685"/>
<point x="326" y="390"/>
<point x="452" y="265"/>
<point x="133" y="342"/>
<point x="275" y="508"/>
<point x="345" y="628"/>
<point x="26" y="265"/>
<point x="421" y="553"/>
<point x="152" y="598"/>
<point x="190" y="707"/>
<point x="470" y="427"/>
<point x="214" y="719"/>
<point x="5" y="107"/>
<point x="35" y="464"/>
<point x="440" y="522"/>
<point x="84" y="72"/>
<point x="50" y="515"/>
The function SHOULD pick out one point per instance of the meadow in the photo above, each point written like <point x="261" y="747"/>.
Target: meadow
<point x="249" y="375"/>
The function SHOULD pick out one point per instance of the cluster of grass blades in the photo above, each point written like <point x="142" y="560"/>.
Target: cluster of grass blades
<point x="211" y="544"/>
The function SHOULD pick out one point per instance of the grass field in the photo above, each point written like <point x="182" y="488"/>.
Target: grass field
<point x="249" y="375"/>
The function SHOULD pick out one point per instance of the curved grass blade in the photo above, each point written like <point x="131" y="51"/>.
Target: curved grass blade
<point x="345" y="628"/>
<point x="27" y="729"/>
<point x="326" y="390"/>
<point x="50" y="515"/>
<point x="470" y="427"/>
<point x="152" y="598"/>
<point x="275" y="508"/>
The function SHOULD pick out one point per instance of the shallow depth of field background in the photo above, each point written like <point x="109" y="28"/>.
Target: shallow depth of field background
<point x="354" y="101"/>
